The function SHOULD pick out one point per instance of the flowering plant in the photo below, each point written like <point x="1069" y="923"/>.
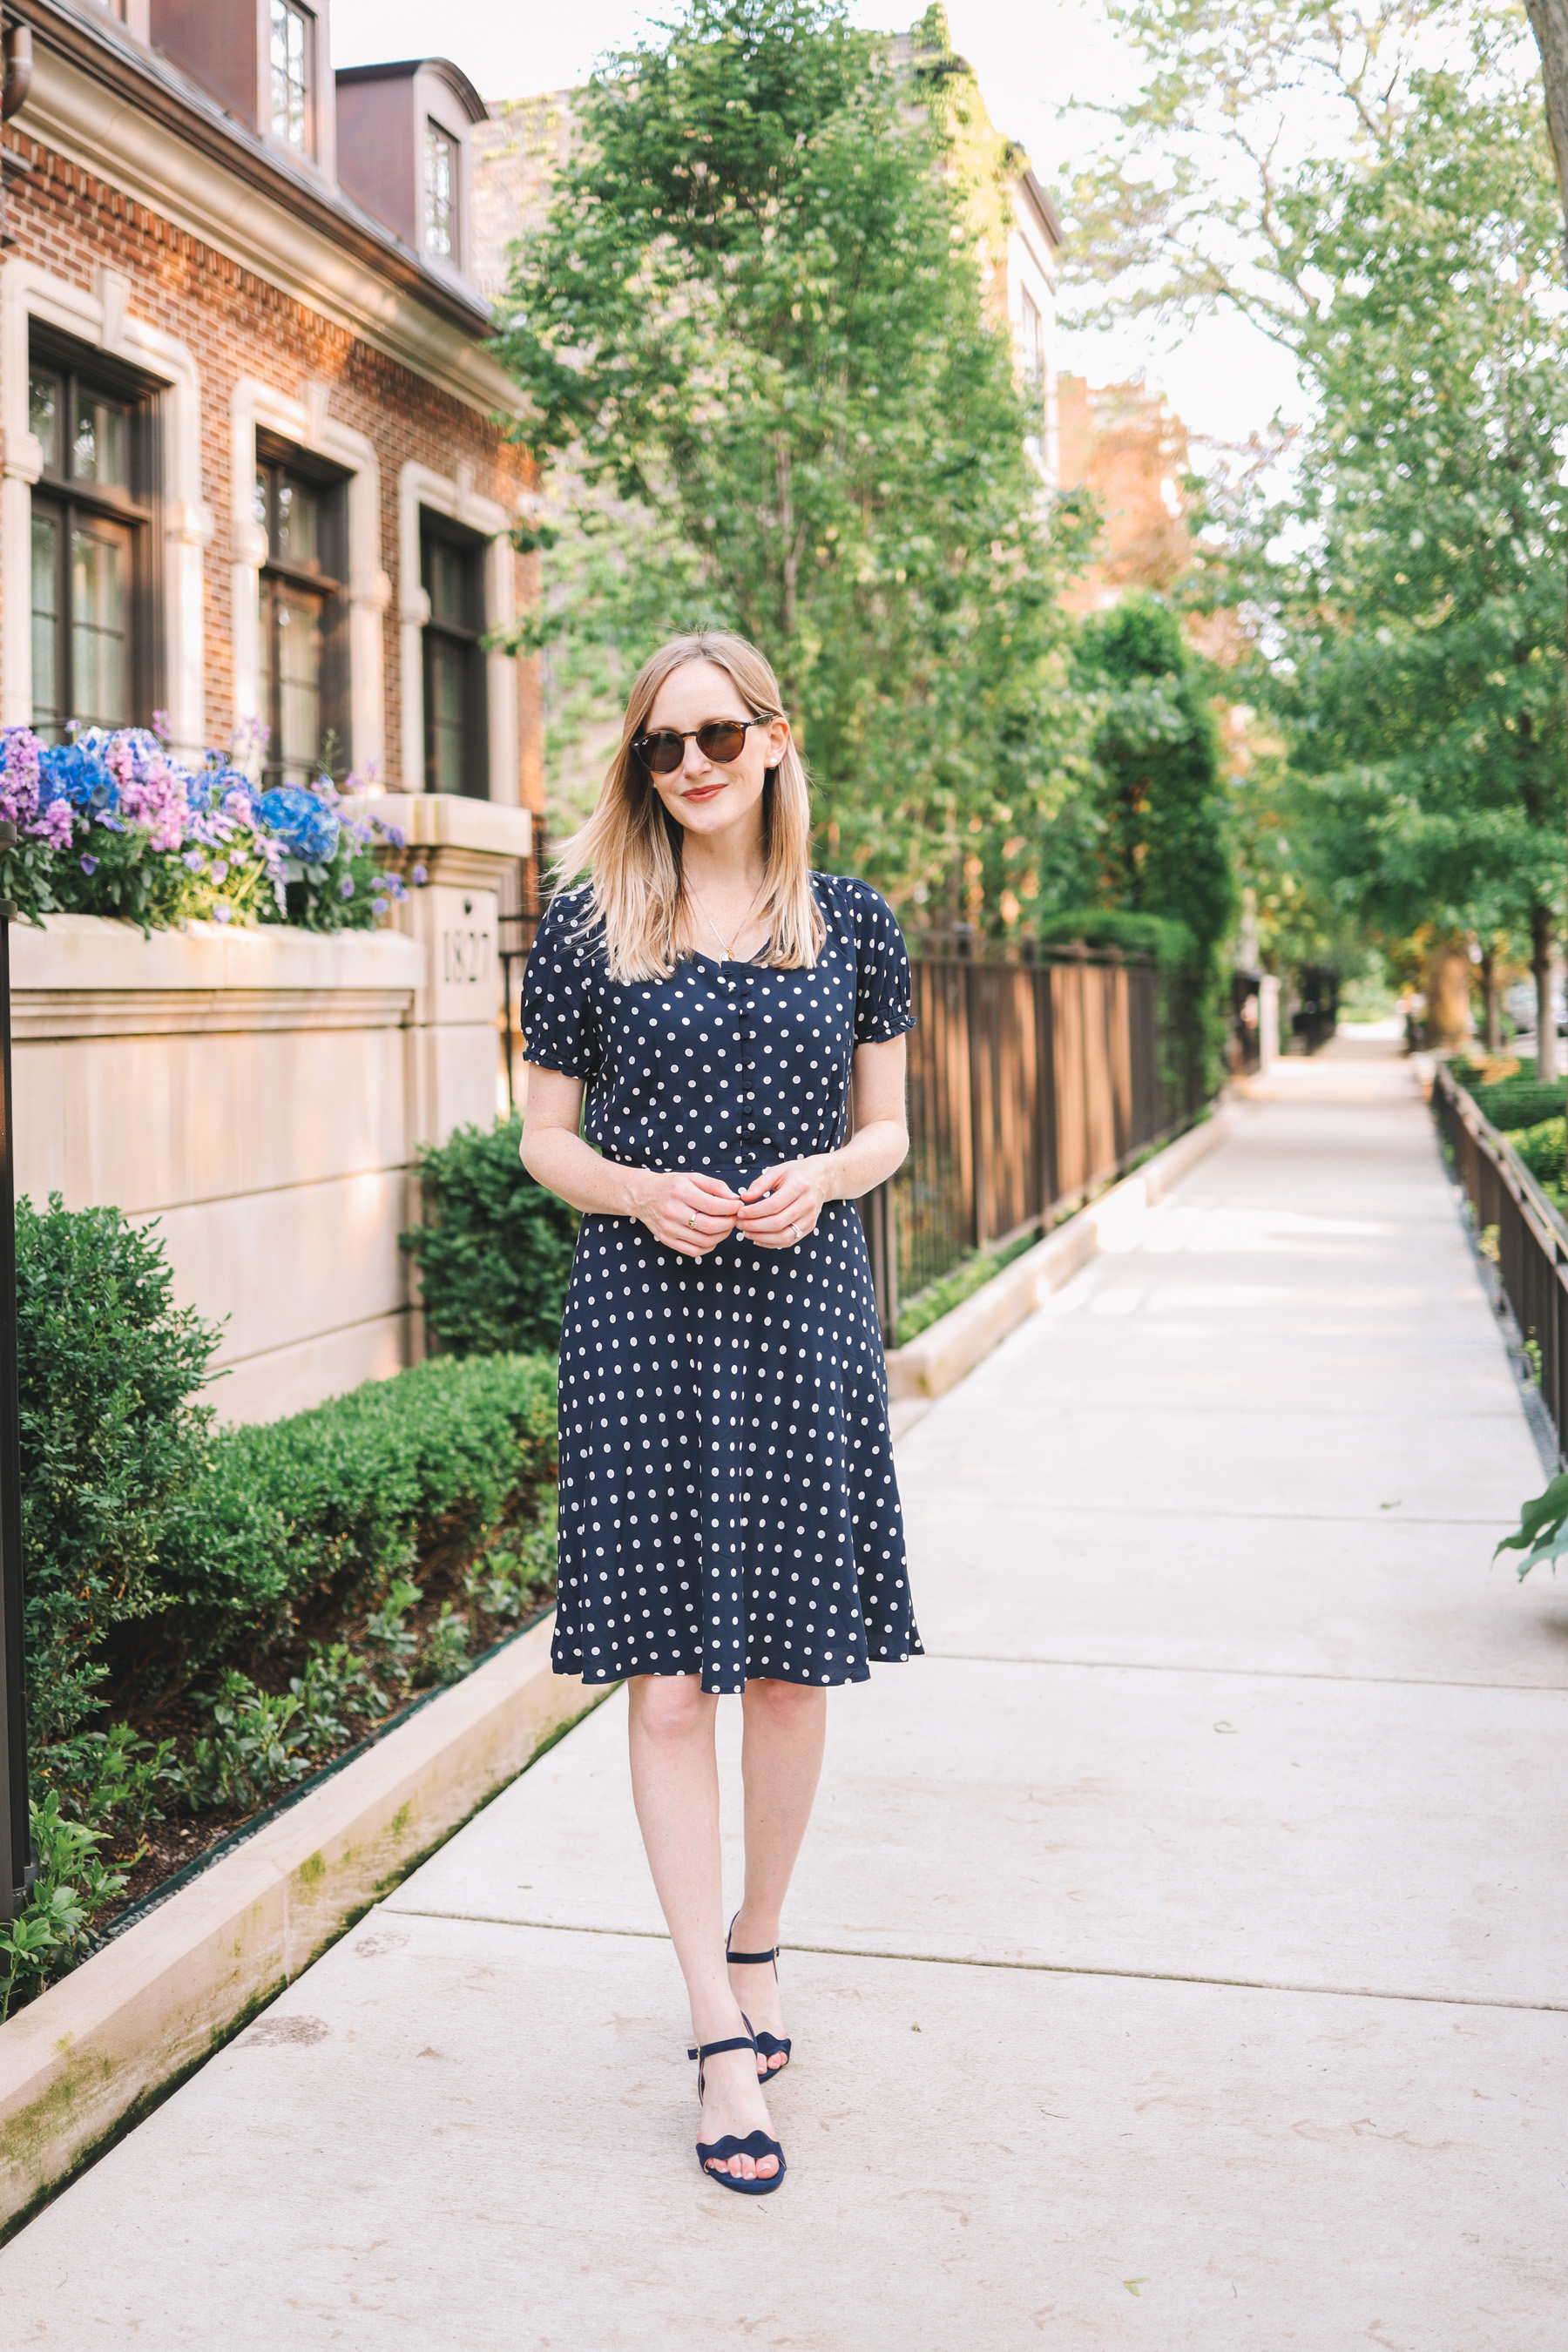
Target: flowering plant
<point x="112" y="824"/>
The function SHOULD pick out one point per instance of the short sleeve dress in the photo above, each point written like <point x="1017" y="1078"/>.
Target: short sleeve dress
<point x="728" y="1502"/>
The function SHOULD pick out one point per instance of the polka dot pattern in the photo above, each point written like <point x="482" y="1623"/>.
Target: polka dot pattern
<point x="728" y="1502"/>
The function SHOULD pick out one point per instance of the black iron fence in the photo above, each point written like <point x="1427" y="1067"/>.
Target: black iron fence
<point x="1033" y="1083"/>
<point x="1520" y="1231"/>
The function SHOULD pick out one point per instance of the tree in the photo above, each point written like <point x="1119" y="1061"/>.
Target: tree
<point x="1401" y="261"/>
<point x="1164" y="848"/>
<point x="752" y="328"/>
<point x="1420" y="668"/>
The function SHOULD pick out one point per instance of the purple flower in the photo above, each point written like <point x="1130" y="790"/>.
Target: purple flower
<point x="222" y="913"/>
<point x="89" y="864"/>
<point x="220" y="871"/>
<point x="396" y="835"/>
<point x="418" y="878"/>
<point x="194" y="860"/>
<point x="346" y="887"/>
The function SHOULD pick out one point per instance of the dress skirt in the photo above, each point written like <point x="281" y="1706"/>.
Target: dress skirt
<point x="728" y="1502"/>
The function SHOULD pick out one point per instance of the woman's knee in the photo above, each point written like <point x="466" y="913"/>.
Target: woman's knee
<point x="786" y="1702"/>
<point x="669" y="1707"/>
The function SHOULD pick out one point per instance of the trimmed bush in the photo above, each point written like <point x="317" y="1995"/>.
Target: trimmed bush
<point x="1170" y="943"/>
<point x="110" y="1371"/>
<point x="1544" y="1149"/>
<point x="496" y="1252"/>
<point x="333" y="1501"/>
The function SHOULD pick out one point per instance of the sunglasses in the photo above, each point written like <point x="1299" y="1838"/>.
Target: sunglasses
<point x="717" y="738"/>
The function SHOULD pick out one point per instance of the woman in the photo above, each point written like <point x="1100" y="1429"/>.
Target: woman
<point x="729" y="1520"/>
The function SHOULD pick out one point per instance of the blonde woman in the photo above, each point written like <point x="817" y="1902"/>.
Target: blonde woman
<point x="730" y="1519"/>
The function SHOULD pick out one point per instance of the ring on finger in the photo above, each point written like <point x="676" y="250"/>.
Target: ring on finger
<point x="691" y="1219"/>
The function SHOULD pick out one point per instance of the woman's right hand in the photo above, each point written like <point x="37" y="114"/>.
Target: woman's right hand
<point x="690" y="1214"/>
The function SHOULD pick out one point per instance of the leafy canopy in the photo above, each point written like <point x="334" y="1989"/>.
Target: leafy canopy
<point x="753" y="328"/>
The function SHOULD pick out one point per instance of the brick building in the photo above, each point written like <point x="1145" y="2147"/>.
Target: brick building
<point x="250" y="471"/>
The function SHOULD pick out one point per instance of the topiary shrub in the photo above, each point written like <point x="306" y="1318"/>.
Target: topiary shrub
<point x="111" y="1437"/>
<point x="496" y="1251"/>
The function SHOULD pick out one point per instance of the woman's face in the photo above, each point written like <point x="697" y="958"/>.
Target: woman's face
<point x="707" y="795"/>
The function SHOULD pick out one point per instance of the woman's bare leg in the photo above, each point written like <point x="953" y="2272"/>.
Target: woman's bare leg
<point x="781" y="1763"/>
<point x="675" y="1786"/>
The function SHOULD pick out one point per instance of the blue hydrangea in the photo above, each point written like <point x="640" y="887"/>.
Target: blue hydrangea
<point x="302" y="821"/>
<point x="77" y="773"/>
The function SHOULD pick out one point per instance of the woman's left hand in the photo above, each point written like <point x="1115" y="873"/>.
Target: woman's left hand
<point x="782" y="1205"/>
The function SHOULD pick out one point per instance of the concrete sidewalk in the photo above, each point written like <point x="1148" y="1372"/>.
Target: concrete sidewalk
<point x="1180" y="1957"/>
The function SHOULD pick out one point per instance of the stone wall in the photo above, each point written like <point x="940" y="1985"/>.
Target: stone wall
<point x="261" y="1093"/>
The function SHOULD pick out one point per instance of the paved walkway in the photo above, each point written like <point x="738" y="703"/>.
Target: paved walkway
<point x="1181" y="1955"/>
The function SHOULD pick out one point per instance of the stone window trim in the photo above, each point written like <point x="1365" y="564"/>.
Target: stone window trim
<point x="420" y="489"/>
<point x="305" y="423"/>
<point x="99" y="317"/>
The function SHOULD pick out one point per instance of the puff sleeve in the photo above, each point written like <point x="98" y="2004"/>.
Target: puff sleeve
<point x="560" y="1016"/>
<point x="882" y="980"/>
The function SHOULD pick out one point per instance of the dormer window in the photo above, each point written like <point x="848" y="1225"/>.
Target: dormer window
<point x="402" y="153"/>
<point x="443" y="165"/>
<point x="294" y="74"/>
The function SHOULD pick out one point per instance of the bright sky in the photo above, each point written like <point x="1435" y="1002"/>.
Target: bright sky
<point x="1034" y="58"/>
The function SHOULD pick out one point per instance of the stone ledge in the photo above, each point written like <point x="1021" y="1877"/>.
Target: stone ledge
<point x="451" y="820"/>
<point x="98" y="2048"/>
<point x="94" y="955"/>
<point x="959" y="1340"/>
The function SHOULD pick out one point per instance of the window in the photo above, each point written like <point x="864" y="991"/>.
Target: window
<point x="455" y="752"/>
<point x="293" y="31"/>
<point x="443" y="162"/>
<point x="93" y="602"/>
<point x="301" y="682"/>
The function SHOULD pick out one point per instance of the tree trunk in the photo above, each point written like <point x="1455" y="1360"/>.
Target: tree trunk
<point x="1492" y="1009"/>
<point x="1549" y="21"/>
<point x="1546" y="1067"/>
<point x="1447" y="998"/>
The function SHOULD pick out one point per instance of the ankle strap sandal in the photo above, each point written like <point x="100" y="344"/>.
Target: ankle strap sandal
<point x="769" y="2045"/>
<point x="755" y="2145"/>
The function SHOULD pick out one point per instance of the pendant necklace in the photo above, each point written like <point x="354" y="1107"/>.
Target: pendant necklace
<point x="730" y="955"/>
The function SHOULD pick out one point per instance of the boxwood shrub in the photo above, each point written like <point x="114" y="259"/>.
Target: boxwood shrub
<point x="495" y="1250"/>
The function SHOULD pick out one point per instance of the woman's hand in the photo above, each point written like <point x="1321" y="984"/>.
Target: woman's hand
<point x="689" y="1214"/>
<point x="782" y="1205"/>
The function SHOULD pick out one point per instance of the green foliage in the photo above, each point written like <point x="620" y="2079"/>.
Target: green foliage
<point x="1163" y="848"/>
<point x="1518" y="1102"/>
<point x="1424" y="626"/>
<point x="332" y="1501"/>
<point x="495" y="1252"/>
<point x="510" y="1581"/>
<point x="111" y="1437"/>
<point x="939" y="1298"/>
<point x="50" y="1935"/>
<point x="253" y="1750"/>
<point x="1543" y="1530"/>
<point x="752" y="328"/>
<point x="1543" y="1148"/>
<point x="1170" y="944"/>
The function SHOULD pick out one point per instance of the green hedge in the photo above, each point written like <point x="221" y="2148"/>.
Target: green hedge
<point x="495" y="1250"/>
<point x="157" y="1541"/>
<point x="334" y="1501"/>
<point x="1510" y="1103"/>
<point x="1170" y="943"/>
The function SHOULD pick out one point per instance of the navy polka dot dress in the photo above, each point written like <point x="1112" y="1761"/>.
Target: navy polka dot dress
<point x="728" y="1502"/>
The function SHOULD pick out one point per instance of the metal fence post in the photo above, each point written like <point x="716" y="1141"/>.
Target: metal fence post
<point x="16" y="1841"/>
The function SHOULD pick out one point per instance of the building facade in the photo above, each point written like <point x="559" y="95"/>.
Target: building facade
<point x="251" y="477"/>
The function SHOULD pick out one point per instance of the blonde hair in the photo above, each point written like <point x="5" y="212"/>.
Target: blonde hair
<point x="631" y="847"/>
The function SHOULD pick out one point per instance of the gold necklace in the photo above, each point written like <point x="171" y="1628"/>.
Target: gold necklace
<point x="730" y="955"/>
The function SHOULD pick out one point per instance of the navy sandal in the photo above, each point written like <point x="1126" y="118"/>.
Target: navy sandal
<point x="769" y="2045"/>
<point x="755" y="2145"/>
